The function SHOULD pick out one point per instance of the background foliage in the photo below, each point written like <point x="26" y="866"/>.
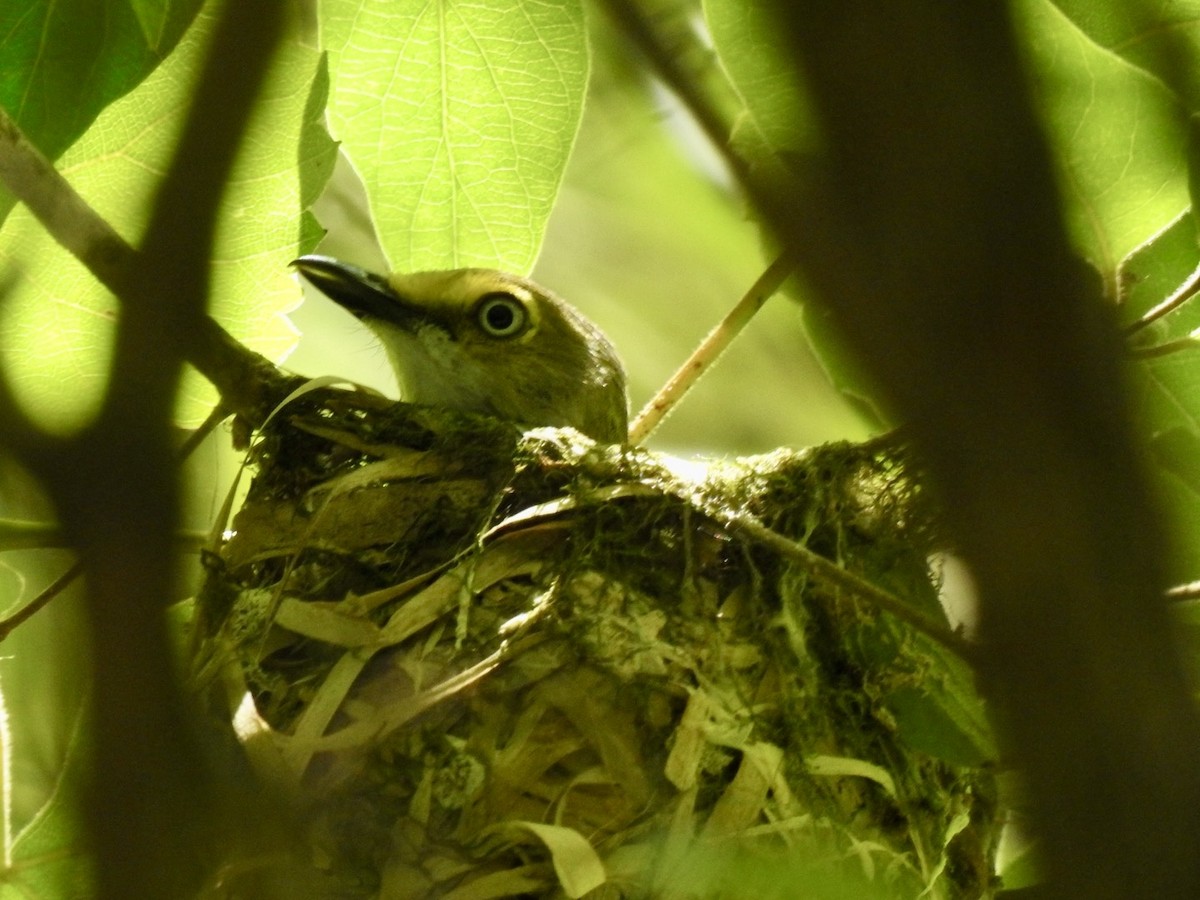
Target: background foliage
<point x="533" y="141"/>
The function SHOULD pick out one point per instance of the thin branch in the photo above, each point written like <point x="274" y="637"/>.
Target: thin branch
<point x="1167" y="348"/>
<point x="115" y="485"/>
<point x="1183" y="293"/>
<point x="710" y="349"/>
<point x="197" y="436"/>
<point x="41" y="536"/>
<point x="9" y="624"/>
<point x="831" y="573"/>
<point x="62" y="212"/>
<point x="1189" y="591"/>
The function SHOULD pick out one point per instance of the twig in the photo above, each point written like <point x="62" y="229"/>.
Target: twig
<point x="1165" y="349"/>
<point x="41" y="536"/>
<point x="1189" y="591"/>
<point x="1182" y="294"/>
<point x="15" y="535"/>
<point x="710" y="349"/>
<point x="831" y="573"/>
<point x="115" y="485"/>
<point x="10" y="623"/>
<point x="218" y="415"/>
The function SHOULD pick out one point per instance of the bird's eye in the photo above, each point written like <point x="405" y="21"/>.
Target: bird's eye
<point x="501" y="315"/>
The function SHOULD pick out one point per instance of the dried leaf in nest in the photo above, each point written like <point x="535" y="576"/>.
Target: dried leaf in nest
<point x="495" y="665"/>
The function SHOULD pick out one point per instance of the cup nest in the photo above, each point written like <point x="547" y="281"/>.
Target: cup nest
<point x="485" y="663"/>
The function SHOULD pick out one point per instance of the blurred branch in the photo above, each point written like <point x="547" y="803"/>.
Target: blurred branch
<point x="955" y="284"/>
<point x="1189" y="591"/>
<point x="666" y="62"/>
<point x="115" y="485"/>
<point x="931" y="229"/>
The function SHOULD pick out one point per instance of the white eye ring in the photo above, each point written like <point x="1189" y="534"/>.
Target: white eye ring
<point x="501" y="315"/>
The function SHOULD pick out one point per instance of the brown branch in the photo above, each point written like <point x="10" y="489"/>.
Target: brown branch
<point x="956" y="285"/>
<point x="832" y="574"/>
<point x="931" y="230"/>
<point x="115" y="485"/>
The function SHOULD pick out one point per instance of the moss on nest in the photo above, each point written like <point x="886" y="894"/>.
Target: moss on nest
<point x="490" y="664"/>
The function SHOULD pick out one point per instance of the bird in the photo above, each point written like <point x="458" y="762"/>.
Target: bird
<point x="484" y="341"/>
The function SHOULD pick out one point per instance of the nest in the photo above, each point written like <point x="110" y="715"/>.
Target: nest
<point x="493" y="664"/>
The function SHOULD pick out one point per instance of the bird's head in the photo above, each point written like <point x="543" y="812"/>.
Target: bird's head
<point x="485" y="341"/>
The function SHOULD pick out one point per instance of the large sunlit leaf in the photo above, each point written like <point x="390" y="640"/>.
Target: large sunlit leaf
<point x="63" y="61"/>
<point x="1155" y="271"/>
<point x="459" y="115"/>
<point x="754" y="52"/>
<point x="48" y="859"/>
<point x="1162" y="38"/>
<point x="1163" y="41"/>
<point x="57" y="321"/>
<point x="1116" y="134"/>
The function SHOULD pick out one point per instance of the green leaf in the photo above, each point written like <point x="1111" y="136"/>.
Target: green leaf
<point x="318" y="153"/>
<point x="1168" y="404"/>
<point x="733" y="873"/>
<point x="753" y="51"/>
<point x="1161" y="38"/>
<point x="57" y="322"/>
<point x="1154" y="271"/>
<point x="945" y="716"/>
<point x="63" y="61"/>
<point x="1117" y="135"/>
<point x="1177" y="450"/>
<point x="1167" y="401"/>
<point x="153" y="16"/>
<point x="844" y="370"/>
<point x="1163" y="42"/>
<point x="49" y="858"/>
<point x="459" y="116"/>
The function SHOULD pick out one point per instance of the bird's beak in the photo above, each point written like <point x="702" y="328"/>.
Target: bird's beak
<point x="367" y="295"/>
